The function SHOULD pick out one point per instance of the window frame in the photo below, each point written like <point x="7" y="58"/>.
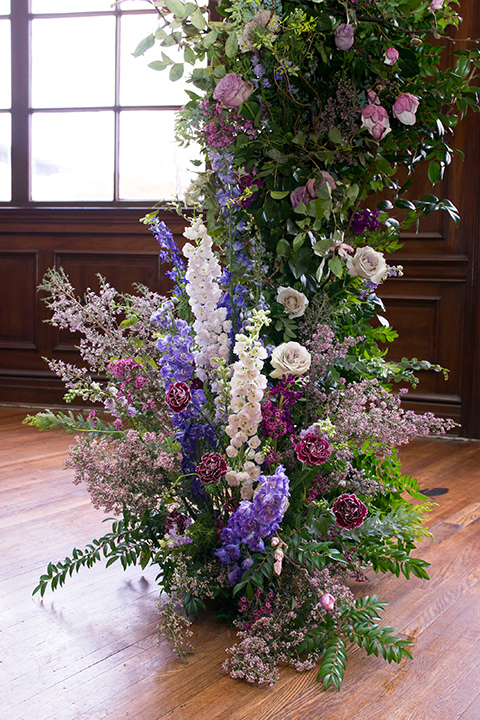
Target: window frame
<point x="21" y="110"/>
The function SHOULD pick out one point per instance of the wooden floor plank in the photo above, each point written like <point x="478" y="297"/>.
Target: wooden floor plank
<point x="89" y="651"/>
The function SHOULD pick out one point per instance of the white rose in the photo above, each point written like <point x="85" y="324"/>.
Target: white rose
<point x="290" y="358"/>
<point x="293" y="301"/>
<point x="367" y="263"/>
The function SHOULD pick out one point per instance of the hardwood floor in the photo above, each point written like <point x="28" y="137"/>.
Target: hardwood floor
<point x="88" y="651"/>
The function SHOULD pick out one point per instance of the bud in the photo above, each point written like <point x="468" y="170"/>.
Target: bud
<point x="327" y="601"/>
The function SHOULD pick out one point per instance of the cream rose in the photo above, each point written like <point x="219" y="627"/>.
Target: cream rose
<point x="290" y="358"/>
<point x="367" y="263"/>
<point x="293" y="301"/>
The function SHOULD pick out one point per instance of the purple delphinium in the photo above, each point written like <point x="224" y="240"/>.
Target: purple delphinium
<point x="169" y="253"/>
<point x="254" y="521"/>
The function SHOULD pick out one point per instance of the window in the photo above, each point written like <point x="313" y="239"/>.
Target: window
<point x="83" y="121"/>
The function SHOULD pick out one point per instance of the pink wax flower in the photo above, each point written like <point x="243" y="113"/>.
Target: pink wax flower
<point x="344" y="38"/>
<point x="391" y="56"/>
<point x="375" y="119"/>
<point x="405" y="107"/>
<point x="232" y="90"/>
<point x="327" y="601"/>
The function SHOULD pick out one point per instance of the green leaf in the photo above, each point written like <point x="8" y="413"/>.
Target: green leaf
<point x="198" y="20"/>
<point x="209" y="38"/>
<point x="158" y="65"/>
<point x="176" y="7"/>
<point x="434" y="172"/>
<point x="335" y="136"/>
<point x="144" y="45"/>
<point x="188" y="55"/>
<point x="335" y="265"/>
<point x="231" y="45"/>
<point x="279" y="194"/>
<point x="176" y="72"/>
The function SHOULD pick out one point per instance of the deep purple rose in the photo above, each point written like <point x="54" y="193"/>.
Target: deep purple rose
<point x="232" y="90"/>
<point x="212" y="467"/>
<point x="349" y="511"/>
<point x="313" y="449"/>
<point x="178" y="396"/>
<point x="344" y="36"/>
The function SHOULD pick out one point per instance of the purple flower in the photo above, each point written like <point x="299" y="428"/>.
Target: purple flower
<point x="178" y="397"/>
<point x="349" y="511"/>
<point x="211" y="468"/>
<point x="313" y="449"/>
<point x="232" y="90"/>
<point x="344" y="38"/>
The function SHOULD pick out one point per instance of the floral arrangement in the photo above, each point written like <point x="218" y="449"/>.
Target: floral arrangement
<point x="245" y="427"/>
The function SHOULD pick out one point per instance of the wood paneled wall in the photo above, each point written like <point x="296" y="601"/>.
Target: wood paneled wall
<point x="435" y="306"/>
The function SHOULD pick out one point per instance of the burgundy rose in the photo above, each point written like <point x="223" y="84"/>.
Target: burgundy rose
<point x="313" y="449"/>
<point x="175" y="522"/>
<point x="178" y="396"/>
<point x="349" y="511"/>
<point x="211" y="468"/>
<point x="232" y="90"/>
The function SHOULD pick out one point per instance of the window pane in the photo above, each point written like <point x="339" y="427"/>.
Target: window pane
<point x="73" y="62"/>
<point x="5" y="163"/>
<point x="152" y="165"/>
<point x="4" y="7"/>
<point x="72" y="156"/>
<point x="69" y="6"/>
<point x="139" y="84"/>
<point x="5" y="82"/>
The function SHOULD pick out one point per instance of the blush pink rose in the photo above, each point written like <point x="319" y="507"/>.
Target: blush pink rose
<point x="391" y="56"/>
<point x="375" y="119"/>
<point x="344" y="37"/>
<point x="405" y="107"/>
<point x="436" y="4"/>
<point x="232" y="90"/>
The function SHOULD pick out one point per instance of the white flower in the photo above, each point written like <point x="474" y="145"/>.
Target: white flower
<point x="293" y="301"/>
<point x="290" y="358"/>
<point x="367" y="263"/>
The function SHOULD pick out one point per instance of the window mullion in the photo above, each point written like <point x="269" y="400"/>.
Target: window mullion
<point x="20" y="101"/>
<point x="116" y="159"/>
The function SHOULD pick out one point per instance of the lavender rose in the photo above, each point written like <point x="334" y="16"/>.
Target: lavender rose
<point x="212" y="467"/>
<point x="349" y="511"/>
<point x="290" y="358"/>
<point x="293" y="301"/>
<point x="232" y="90"/>
<point x="313" y="449"/>
<point x="375" y="119"/>
<point x="300" y="195"/>
<point x="178" y="397"/>
<point x="368" y="264"/>
<point x="405" y="107"/>
<point x="391" y="56"/>
<point x="344" y="36"/>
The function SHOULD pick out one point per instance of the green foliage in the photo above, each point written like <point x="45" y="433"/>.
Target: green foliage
<point x="128" y="541"/>
<point x="71" y="423"/>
